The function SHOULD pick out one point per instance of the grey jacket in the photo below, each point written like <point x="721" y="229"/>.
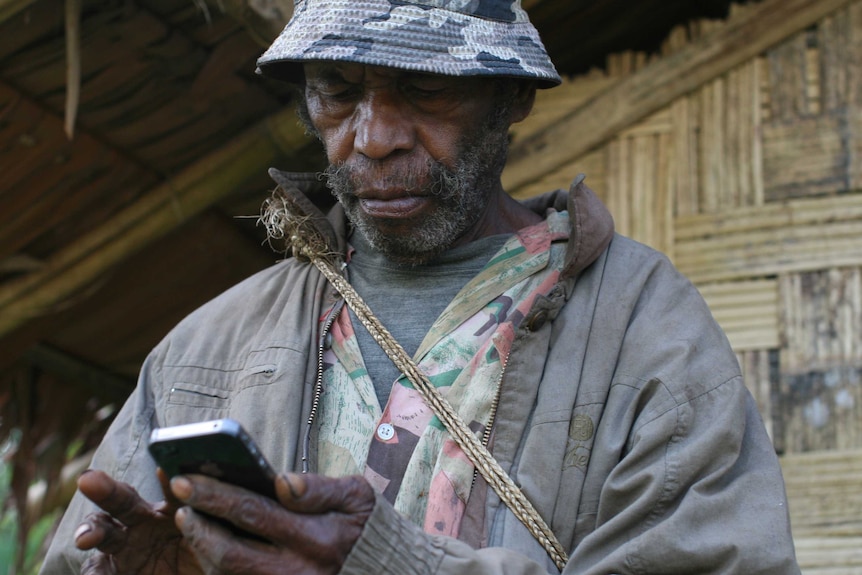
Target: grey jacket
<point x="623" y="417"/>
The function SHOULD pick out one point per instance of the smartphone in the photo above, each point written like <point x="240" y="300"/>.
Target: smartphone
<point x="220" y="448"/>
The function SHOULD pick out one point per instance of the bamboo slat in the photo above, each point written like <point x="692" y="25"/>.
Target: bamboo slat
<point x="643" y="189"/>
<point x="787" y="79"/>
<point x="822" y="319"/>
<point x="841" y="208"/>
<point x="797" y="235"/>
<point x="824" y="488"/>
<point x="809" y="156"/>
<point x="757" y="372"/>
<point x="854" y="145"/>
<point x="853" y="15"/>
<point x="658" y="123"/>
<point x="747" y="311"/>
<point x="734" y="162"/>
<point x="825" y="503"/>
<point x="685" y="158"/>
<point x="665" y="191"/>
<point x="771" y="252"/>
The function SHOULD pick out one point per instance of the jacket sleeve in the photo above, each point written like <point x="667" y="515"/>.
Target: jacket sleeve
<point x="700" y="491"/>
<point x="123" y="455"/>
<point x="682" y="476"/>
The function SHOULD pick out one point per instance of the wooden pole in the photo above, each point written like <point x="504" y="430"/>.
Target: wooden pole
<point x="152" y="216"/>
<point x="743" y="37"/>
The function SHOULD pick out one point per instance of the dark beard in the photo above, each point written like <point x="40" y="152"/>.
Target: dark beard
<point x="461" y="193"/>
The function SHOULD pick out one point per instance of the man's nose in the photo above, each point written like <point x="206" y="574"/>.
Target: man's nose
<point x="382" y="127"/>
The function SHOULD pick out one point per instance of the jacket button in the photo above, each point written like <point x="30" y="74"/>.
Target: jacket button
<point x="537" y="320"/>
<point x="385" y="432"/>
<point x="327" y="340"/>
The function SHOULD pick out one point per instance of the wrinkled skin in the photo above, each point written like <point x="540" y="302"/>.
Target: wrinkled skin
<point x="416" y="159"/>
<point x="131" y="535"/>
<point x="310" y="529"/>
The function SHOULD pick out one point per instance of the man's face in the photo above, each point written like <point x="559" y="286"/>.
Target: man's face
<point x="414" y="158"/>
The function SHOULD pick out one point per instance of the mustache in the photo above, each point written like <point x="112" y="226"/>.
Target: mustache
<point x="429" y="178"/>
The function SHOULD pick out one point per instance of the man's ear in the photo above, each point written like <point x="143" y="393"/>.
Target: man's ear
<point x="525" y="97"/>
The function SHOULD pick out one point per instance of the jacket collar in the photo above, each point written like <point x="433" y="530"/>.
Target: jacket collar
<point x="591" y="224"/>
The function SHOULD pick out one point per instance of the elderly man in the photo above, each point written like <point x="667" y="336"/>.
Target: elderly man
<point x="589" y="368"/>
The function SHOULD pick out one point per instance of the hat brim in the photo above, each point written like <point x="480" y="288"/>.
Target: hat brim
<point x="409" y="37"/>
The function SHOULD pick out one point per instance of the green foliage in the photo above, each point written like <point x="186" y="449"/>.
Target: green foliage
<point x="37" y="537"/>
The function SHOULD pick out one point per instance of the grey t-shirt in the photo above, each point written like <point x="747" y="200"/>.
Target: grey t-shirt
<point x="407" y="299"/>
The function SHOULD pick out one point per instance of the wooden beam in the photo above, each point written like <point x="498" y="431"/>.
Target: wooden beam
<point x="152" y="216"/>
<point x="74" y="370"/>
<point x="9" y="8"/>
<point x="743" y="37"/>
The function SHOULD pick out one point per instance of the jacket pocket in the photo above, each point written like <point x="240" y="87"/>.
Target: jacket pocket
<point x="198" y="392"/>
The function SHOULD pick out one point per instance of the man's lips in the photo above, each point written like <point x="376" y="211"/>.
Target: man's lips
<point x="403" y="207"/>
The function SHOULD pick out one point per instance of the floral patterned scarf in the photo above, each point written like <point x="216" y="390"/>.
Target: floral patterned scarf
<point x="403" y="449"/>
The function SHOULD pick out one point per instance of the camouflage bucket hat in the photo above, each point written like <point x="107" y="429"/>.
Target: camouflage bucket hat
<point x="449" y="37"/>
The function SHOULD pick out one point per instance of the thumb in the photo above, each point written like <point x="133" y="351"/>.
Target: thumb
<point x="171" y="501"/>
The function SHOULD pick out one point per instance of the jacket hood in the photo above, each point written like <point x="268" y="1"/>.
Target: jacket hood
<point x="591" y="224"/>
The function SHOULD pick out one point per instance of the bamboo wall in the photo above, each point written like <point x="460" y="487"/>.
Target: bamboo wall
<point x="752" y="184"/>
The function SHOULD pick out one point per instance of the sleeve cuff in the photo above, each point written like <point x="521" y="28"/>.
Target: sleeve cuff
<point x="391" y="544"/>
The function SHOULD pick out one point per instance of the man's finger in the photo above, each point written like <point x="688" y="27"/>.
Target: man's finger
<point x="98" y="564"/>
<point x="172" y="503"/>
<point x="116" y="498"/>
<point x="320" y="494"/>
<point x="100" y="531"/>
<point x="245" y="509"/>
<point x="221" y="551"/>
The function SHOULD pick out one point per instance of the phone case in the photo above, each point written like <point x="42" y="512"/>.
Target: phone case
<point x="221" y="449"/>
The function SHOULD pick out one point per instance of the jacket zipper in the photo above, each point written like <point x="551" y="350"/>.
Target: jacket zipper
<point x="318" y="384"/>
<point x="495" y="403"/>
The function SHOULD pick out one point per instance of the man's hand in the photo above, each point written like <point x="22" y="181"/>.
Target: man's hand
<point x="130" y="534"/>
<point x="310" y="529"/>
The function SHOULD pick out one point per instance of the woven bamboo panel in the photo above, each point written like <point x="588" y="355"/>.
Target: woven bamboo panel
<point x="794" y="236"/>
<point x="752" y="184"/>
<point x="821" y="316"/>
<point x="760" y="371"/>
<point x="809" y="156"/>
<point x="821" y="360"/>
<point x="748" y="312"/>
<point x="826" y="510"/>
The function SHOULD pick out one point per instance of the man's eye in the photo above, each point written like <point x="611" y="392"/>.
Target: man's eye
<point x="426" y="90"/>
<point x="339" y="93"/>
